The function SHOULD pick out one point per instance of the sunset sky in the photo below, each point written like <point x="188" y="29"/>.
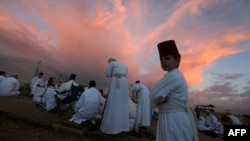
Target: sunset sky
<point x="79" y="36"/>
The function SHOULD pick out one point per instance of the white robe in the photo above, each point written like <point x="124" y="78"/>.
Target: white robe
<point x="116" y="112"/>
<point x="65" y="87"/>
<point x="172" y="126"/>
<point x="38" y="96"/>
<point x="143" y="105"/>
<point x="132" y="114"/>
<point x="88" y="106"/>
<point x="210" y="122"/>
<point x="9" y="86"/>
<point x="219" y="129"/>
<point x="50" y="102"/>
<point x="235" y="120"/>
<point x="43" y="96"/>
<point x="201" y="124"/>
<point x="33" y="85"/>
<point x="2" y="78"/>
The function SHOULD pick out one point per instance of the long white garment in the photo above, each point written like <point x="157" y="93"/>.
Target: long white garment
<point x="132" y="114"/>
<point x="34" y="82"/>
<point x="116" y="112"/>
<point x="38" y="96"/>
<point x="219" y="129"/>
<point x="172" y="126"/>
<point x="103" y="101"/>
<point x="201" y="123"/>
<point x="65" y="87"/>
<point x="50" y="102"/>
<point x="235" y="120"/>
<point x="88" y="106"/>
<point x="211" y="121"/>
<point x="44" y="96"/>
<point x="143" y="105"/>
<point x="2" y="78"/>
<point x="9" y="86"/>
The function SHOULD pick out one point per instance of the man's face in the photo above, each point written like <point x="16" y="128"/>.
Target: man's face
<point x="168" y="63"/>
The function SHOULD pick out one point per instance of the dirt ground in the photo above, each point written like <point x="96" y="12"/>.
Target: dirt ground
<point x="13" y="127"/>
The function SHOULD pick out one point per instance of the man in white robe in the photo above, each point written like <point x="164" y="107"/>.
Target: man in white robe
<point x="176" y="121"/>
<point x="210" y="121"/>
<point x="88" y="106"/>
<point x="61" y="93"/>
<point x="235" y="120"/>
<point x="116" y="112"/>
<point x="10" y="86"/>
<point x="201" y="123"/>
<point x="143" y="105"/>
<point x="64" y="87"/>
<point x="37" y="81"/>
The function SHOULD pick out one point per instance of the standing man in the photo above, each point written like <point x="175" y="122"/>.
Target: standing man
<point x="143" y="105"/>
<point x="116" y="113"/>
<point x="176" y="121"/>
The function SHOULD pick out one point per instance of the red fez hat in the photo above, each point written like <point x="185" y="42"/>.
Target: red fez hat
<point x="167" y="48"/>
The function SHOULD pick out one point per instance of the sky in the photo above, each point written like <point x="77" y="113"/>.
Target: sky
<point x="78" y="36"/>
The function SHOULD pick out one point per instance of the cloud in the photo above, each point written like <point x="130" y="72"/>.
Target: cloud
<point x="227" y="76"/>
<point x="224" y="94"/>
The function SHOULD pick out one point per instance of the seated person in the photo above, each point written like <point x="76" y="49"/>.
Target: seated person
<point x="201" y="123"/>
<point x="65" y="87"/>
<point x="235" y="120"/>
<point x="36" y="83"/>
<point x="43" y="95"/>
<point x="87" y="107"/>
<point x="50" y="82"/>
<point x="210" y="120"/>
<point x="219" y="128"/>
<point x="10" y="86"/>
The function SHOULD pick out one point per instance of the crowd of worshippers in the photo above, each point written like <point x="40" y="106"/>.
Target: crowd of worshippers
<point x="213" y="125"/>
<point x="127" y="108"/>
<point x="90" y="105"/>
<point x="89" y="108"/>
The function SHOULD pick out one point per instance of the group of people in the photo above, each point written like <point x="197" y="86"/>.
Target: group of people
<point x="176" y="121"/>
<point x="214" y="126"/>
<point x="38" y="82"/>
<point x="121" y="113"/>
<point x="9" y="86"/>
